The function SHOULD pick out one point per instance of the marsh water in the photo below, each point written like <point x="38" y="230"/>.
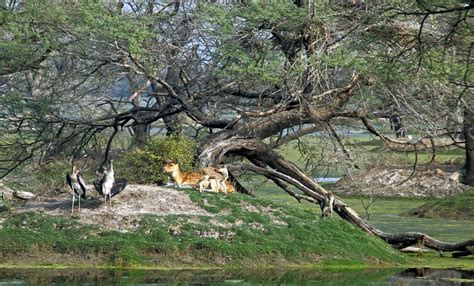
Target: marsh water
<point x="420" y="276"/>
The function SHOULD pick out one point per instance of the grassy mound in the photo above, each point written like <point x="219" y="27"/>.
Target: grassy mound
<point x="238" y="231"/>
<point x="460" y="206"/>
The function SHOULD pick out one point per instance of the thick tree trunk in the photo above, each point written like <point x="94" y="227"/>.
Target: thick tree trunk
<point x="469" y="137"/>
<point x="140" y="135"/>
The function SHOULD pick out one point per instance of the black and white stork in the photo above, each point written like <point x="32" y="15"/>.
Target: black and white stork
<point x="327" y="204"/>
<point x="76" y="184"/>
<point x="107" y="185"/>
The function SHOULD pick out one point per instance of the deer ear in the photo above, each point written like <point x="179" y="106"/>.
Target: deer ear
<point x="176" y="161"/>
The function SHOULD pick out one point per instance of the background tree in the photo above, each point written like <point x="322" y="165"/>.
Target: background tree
<point x="244" y="77"/>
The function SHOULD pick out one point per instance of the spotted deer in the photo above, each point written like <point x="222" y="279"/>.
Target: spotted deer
<point x="217" y="178"/>
<point x="182" y="178"/>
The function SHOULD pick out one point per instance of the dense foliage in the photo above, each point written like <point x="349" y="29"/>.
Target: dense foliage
<point x="74" y="70"/>
<point x="145" y="166"/>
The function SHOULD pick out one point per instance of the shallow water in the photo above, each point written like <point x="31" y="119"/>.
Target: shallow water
<point x="387" y="215"/>
<point x="422" y="276"/>
<point x="327" y="179"/>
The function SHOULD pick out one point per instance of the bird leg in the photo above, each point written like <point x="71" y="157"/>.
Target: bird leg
<point x="73" y="197"/>
<point x="79" y="198"/>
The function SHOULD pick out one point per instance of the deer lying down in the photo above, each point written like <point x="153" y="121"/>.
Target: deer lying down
<point x="181" y="178"/>
<point x="216" y="178"/>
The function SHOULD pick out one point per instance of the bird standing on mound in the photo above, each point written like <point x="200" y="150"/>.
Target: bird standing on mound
<point x="108" y="186"/>
<point x="76" y="184"/>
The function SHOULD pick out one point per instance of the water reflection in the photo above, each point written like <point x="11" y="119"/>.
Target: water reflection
<point x="427" y="276"/>
<point x="235" y="277"/>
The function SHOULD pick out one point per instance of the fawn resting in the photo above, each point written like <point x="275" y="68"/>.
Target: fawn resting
<point x="217" y="178"/>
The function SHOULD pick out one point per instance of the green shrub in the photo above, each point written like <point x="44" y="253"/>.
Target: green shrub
<point x="146" y="166"/>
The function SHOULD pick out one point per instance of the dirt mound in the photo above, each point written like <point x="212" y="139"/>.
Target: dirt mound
<point x="128" y="206"/>
<point x="396" y="183"/>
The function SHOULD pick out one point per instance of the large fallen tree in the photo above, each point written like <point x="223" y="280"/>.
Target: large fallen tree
<point x="270" y="164"/>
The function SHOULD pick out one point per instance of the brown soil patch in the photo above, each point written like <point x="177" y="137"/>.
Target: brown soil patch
<point x="396" y="182"/>
<point x="127" y="207"/>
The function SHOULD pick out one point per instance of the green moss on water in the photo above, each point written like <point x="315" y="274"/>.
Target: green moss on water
<point x="437" y="260"/>
<point x="265" y="276"/>
<point x="459" y="206"/>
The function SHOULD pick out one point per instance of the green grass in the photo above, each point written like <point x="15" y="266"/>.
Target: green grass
<point x="250" y="238"/>
<point x="389" y="214"/>
<point x="247" y="237"/>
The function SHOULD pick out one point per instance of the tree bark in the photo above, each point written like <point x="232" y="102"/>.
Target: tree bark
<point x="140" y="135"/>
<point x="469" y="138"/>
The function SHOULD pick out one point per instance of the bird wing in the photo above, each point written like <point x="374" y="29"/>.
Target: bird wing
<point x="98" y="186"/>
<point x="69" y="180"/>
<point x="82" y="184"/>
<point x="324" y="202"/>
<point x="118" y="186"/>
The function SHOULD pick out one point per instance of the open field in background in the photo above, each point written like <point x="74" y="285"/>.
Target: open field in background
<point x="368" y="151"/>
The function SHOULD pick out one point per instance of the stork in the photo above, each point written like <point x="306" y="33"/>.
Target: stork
<point x="76" y="184"/>
<point x="327" y="204"/>
<point x="106" y="185"/>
